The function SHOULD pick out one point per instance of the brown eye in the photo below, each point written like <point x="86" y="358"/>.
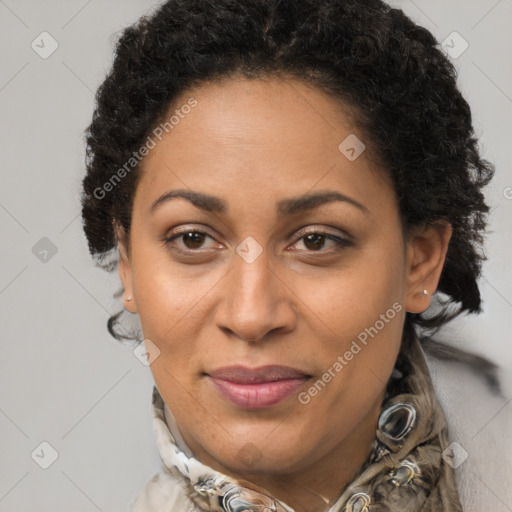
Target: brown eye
<point x="193" y="239"/>
<point x="187" y="240"/>
<point x="314" y="241"/>
<point x="317" y="241"/>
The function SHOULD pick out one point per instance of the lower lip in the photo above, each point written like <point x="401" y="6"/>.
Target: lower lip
<point x="257" y="396"/>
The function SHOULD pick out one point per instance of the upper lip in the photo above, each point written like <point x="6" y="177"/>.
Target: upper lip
<point x="261" y="374"/>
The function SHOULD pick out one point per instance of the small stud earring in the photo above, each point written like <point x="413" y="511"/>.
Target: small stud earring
<point x="425" y="292"/>
<point x="128" y="298"/>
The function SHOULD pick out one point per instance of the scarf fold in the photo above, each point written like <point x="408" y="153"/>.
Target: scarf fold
<point x="409" y="468"/>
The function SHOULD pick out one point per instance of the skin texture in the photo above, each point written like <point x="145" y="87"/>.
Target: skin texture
<point x="301" y="303"/>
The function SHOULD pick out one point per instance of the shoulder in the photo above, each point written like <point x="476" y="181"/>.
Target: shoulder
<point x="480" y="428"/>
<point x="163" y="493"/>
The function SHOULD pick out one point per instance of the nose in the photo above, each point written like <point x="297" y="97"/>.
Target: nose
<point x="257" y="301"/>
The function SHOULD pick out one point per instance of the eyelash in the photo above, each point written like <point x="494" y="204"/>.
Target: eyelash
<point x="342" y="243"/>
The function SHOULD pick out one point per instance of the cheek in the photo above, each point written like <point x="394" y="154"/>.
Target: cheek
<point x="164" y="293"/>
<point x="344" y="302"/>
<point x="358" y="314"/>
<point x="167" y="304"/>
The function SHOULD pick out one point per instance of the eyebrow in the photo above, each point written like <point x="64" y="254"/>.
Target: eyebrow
<point x="285" y="207"/>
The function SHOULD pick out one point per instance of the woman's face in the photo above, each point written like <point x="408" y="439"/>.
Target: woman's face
<point x="274" y="275"/>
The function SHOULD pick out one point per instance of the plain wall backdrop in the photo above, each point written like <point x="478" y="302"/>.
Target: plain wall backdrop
<point x="63" y="380"/>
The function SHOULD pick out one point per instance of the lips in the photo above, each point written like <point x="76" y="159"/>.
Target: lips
<point x="256" y="388"/>
<point x="243" y="375"/>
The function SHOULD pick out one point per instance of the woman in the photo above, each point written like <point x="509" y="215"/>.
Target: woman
<point x="286" y="186"/>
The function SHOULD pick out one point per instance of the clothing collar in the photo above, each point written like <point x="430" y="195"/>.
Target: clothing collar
<point x="405" y="467"/>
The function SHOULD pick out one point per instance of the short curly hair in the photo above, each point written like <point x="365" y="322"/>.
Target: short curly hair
<point x="372" y="58"/>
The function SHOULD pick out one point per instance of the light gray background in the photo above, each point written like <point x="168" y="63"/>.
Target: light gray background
<point x="63" y="379"/>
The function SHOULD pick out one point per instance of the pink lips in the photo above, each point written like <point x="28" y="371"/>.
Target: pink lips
<point x="257" y="388"/>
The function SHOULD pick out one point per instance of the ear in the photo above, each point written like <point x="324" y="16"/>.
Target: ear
<point x="426" y="254"/>
<point x="125" y="269"/>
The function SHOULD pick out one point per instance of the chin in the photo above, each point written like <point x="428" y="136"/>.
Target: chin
<point x="261" y="456"/>
<point x="265" y="463"/>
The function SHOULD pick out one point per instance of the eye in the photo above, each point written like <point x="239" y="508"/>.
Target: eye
<point x="315" y="241"/>
<point x="190" y="240"/>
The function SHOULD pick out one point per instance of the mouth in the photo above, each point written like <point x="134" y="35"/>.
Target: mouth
<point x="257" y="388"/>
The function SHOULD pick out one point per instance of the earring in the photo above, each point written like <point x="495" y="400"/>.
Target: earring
<point x="128" y="298"/>
<point x="425" y="292"/>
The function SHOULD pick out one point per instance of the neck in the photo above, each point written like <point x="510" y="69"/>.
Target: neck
<point x="316" y="487"/>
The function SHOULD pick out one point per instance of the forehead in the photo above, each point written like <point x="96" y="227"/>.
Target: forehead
<point x="254" y="135"/>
